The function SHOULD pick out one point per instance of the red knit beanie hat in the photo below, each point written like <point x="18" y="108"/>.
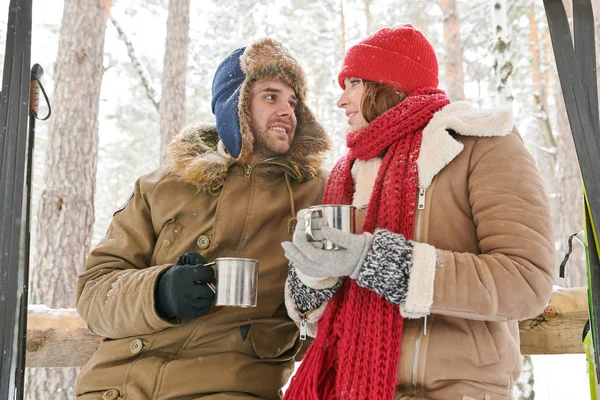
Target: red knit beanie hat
<point x="400" y="57"/>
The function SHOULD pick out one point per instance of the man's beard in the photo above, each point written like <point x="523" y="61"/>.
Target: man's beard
<point x="262" y="145"/>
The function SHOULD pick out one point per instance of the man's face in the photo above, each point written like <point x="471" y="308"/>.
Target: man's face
<point x="273" y="119"/>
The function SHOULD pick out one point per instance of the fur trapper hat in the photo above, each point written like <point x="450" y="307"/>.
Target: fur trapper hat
<point x="231" y="96"/>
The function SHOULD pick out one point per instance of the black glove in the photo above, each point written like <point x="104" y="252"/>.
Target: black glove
<point x="182" y="292"/>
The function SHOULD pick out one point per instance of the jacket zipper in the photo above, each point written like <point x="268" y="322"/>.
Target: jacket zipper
<point x="421" y="202"/>
<point x="423" y="329"/>
<point x="415" y="365"/>
<point x="303" y="323"/>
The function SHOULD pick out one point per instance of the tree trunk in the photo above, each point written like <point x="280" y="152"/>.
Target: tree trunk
<point x="172" y="102"/>
<point x="66" y="212"/>
<point x="368" y="21"/>
<point x="569" y="218"/>
<point x="453" y="59"/>
<point x="524" y="386"/>
<point x="502" y="64"/>
<point x="570" y="202"/>
<point x="342" y="27"/>
<point x="539" y="76"/>
<point x="542" y="133"/>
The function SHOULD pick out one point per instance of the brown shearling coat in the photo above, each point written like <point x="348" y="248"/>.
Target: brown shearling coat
<point x="483" y="257"/>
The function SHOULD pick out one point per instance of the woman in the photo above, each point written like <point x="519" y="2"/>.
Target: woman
<point x="455" y="247"/>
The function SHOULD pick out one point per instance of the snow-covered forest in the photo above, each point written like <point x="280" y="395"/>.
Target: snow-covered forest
<point x="478" y="62"/>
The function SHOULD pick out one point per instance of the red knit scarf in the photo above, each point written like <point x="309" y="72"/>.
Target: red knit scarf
<point x="356" y="352"/>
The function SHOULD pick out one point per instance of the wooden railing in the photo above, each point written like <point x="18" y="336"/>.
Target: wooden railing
<point x="60" y="338"/>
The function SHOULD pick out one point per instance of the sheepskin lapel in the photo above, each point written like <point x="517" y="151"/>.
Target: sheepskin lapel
<point x="438" y="147"/>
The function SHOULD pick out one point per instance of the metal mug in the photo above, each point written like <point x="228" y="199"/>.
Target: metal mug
<point x="236" y="282"/>
<point x="339" y="216"/>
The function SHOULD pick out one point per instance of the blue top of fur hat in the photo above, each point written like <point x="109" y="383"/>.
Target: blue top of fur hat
<point x="225" y="100"/>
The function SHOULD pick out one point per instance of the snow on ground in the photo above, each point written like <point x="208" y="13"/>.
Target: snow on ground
<point x="561" y="377"/>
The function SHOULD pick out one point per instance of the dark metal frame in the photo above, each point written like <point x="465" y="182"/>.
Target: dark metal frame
<point x="15" y="178"/>
<point x="576" y="63"/>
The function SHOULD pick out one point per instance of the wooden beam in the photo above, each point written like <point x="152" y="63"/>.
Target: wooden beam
<point x="559" y="328"/>
<point x="60" y="338"/>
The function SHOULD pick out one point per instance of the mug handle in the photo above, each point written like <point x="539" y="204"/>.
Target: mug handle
<point x="308" y="222"/>
<point x="210" y="285"/>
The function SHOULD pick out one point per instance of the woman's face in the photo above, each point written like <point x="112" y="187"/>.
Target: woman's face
<point x="350" y="100"/>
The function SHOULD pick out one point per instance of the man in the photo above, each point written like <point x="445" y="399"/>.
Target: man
<point x="228" y="191"/>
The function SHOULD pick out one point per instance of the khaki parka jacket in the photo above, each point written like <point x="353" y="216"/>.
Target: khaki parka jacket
<point x="202" y="201"/>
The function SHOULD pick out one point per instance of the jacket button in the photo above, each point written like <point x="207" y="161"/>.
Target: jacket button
<point x="203" y="242"/>
<point x="136" y="346"/>
<point x="110" y="394"/>
<point x="167" y="243"/>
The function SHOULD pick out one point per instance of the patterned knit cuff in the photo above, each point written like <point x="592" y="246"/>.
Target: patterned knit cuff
<point x="306" y="298"/>
<point x="387" y="267"/>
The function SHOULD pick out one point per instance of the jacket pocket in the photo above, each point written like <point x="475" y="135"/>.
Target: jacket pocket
<point x="483" y="342"/>
<point x="275" y="339"/>
<point x="167" y="239"/>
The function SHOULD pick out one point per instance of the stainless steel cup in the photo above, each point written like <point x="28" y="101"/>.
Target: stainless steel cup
<point x="339" y="216"/>
<point x="237" y="282"/>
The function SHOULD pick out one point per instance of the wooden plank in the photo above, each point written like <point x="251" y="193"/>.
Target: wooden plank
<point x="559" y="328"/>
<point x="60" y="338"/>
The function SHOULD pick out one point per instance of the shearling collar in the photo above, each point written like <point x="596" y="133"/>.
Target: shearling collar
<point x="197" y="157"/>
<point x="438" y="147"/>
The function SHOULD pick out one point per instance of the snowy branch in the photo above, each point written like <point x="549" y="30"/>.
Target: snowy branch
<point x="137" y="64"/>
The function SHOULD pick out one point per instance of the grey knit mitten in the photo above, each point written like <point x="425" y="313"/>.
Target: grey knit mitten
<point x="320" y="263"/>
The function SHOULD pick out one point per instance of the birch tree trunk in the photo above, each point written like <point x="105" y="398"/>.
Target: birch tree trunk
<point x="342" y="27"/>
<point x="502" y="56"/>
<point x="172" y="102"/>
<point x="524" y="385"/>
<point x="453" y="58"/>
<point x="542" y="133"/>
<point x="66" y="212"/>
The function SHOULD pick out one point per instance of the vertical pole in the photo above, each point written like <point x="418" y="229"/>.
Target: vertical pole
<point x="14" y="232"/>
